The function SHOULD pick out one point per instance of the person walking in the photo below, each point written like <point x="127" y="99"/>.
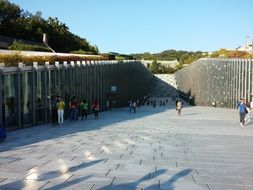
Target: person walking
<point x="73" y="109"/>
<point x="138" y="103"/>
<point x="95" y="108"/>
<point x="84" y="108"/>
<point x="130" y="106"/>
<point x="60" y="110"/>
<point x="134" y="106"/>
<point x="179" y="106"/>
<point x="54" y="110"/>
<point x="242" y="111"/>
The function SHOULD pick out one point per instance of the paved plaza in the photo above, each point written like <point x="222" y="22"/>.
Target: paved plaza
<point x="204" y="149"/>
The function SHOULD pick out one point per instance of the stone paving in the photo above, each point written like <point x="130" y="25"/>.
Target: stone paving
<point x="204" y="149"/>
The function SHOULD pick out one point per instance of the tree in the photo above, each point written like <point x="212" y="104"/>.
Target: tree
<point x="20" y="24"/>
<point x="155" y="67"/>
<point x="9" y="12"/>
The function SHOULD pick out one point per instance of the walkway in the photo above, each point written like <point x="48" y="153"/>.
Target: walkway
<point x="204" y="149"/>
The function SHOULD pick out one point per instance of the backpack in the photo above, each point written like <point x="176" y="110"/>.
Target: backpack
<point x="246" y="110"/>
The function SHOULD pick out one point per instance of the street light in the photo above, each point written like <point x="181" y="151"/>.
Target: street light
<point x="45" y="42"/>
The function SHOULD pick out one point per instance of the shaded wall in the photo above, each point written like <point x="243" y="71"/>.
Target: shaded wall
<point x="222" y="81"/>
<point x="26" y="91"/>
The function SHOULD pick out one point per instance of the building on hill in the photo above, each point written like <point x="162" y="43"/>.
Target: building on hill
<point x="248" y="47"/>
<point x="171" y="63"/>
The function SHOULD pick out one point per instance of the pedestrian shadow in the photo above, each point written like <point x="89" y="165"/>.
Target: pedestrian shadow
<point x="134" y="185"/>
<point x="51" y="175"/>
<point x="169" y="185"/>
<point x="33" y="184"/>
<point x="28" y="136"/>
<point x="58" y="173"/>
<point x="249" y="123"/>
<point x="69" y="183"/>
<point x="190" y="114"/>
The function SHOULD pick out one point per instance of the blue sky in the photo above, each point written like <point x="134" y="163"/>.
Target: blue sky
<point x="136" y="26"/>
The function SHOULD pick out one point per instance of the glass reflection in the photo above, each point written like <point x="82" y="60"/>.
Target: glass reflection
<point x="10" y="101"/>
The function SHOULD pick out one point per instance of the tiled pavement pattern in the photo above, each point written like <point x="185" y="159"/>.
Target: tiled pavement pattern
<point x="204" y="149"/>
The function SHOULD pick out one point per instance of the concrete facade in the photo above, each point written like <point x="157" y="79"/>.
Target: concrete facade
<point x="222" y="81"/>
<point x="164" y="86"/>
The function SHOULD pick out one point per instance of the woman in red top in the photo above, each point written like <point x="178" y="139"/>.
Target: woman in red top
<point x="95" y="107"/>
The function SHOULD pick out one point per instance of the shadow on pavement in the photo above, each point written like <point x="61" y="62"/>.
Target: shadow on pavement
<point x="28" y="183"/>
<point x="166" y="185"/>
<point x="24" y="138"/>
<point x="169" y="184"/>
<point x="133" y="185"/>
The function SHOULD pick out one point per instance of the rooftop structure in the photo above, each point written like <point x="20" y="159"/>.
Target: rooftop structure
<point x="248" y="47"/>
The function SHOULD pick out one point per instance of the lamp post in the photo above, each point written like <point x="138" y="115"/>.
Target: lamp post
<point x="45" y="42"/>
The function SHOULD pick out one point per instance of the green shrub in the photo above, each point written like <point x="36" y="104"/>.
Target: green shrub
<point x="82" y="52"/>
<point x="108" y="56"/>
<point x="20" y="46"/>
<point x="14" y="59"/>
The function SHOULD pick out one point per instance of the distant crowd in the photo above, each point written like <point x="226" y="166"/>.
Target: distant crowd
<point x="58" y="107"/>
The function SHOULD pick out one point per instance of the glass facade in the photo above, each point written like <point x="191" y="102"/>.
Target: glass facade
<point x="11" y="101"/>
<point x="27" y="99"/>
<point x="26" y="91"/>
<point x="41" y="98"/>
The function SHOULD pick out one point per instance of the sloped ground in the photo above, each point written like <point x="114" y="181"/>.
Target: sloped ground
<point x="205" y="148"/>
<point x="164" y="86"/>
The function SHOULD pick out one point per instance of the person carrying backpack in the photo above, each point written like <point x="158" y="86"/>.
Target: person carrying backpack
<point x="243" y="110"/>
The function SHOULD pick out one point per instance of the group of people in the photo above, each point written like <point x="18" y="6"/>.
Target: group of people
<point x="154" y="102"/>
<point x="244" y="110"/>
<point x="132" y="105"/>
<point x="58" y="106"/>
<point x="179" y="104"/>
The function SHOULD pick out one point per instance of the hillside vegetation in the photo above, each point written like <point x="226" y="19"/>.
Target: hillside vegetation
<point x="17" y="23"/>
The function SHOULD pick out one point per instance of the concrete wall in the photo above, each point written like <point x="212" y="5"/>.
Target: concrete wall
<point x="222" y="81"/>
<point x="164" y="85"/>
<point x="26" y="91"/>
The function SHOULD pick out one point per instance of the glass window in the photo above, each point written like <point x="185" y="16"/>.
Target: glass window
<point x="10" y="103"/>
<point x="40" y="101"/>
<point x="52" y="80"/>
<point x="27" y="98"/>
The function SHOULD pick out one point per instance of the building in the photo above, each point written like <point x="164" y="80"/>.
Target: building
<point x="171" y="63"/>
<point x="248" y="47"/>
